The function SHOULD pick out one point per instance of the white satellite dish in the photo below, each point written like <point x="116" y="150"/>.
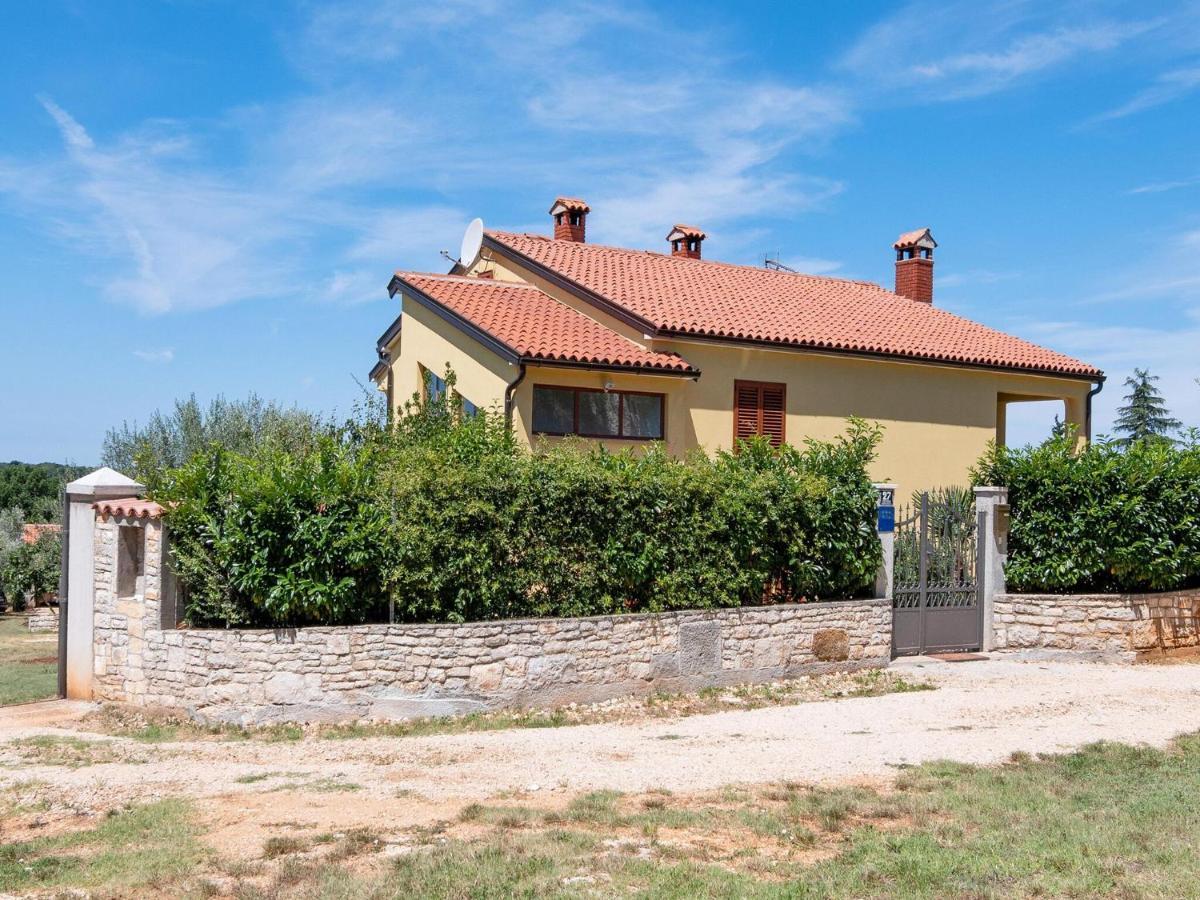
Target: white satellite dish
<point x="471" y="242"/>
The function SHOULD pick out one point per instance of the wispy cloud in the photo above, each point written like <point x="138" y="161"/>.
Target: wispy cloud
<point x="364" y="171"/>
<point x="996" y="46"/>
<point x="1168" y="87"/>
<point x="1160" y="187"/>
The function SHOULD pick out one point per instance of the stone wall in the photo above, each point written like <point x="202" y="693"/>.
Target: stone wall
<point x="400" y="671"/>
<point x="1119" y="625"/>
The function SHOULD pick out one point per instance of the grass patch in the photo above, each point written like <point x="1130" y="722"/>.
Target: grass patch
<point x="28" y="662"/>
<point x="1107" y="821"/>
<point x="71" y="752"/>
<point x="275" y="847"/>
<point x="146" y="848"/>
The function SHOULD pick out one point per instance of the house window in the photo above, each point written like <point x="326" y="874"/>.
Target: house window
<point x="758" y="409"/>
<point x="435" y="387"/>
<point x="590" y="412"/>
<point x="469" y="409"/>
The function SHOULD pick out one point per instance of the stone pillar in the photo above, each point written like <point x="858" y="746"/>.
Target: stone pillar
<point x="77" y="609"/>
<point x="992" y="503"/>
<point x="885" y="526"/>
<point x="128" y="592"/>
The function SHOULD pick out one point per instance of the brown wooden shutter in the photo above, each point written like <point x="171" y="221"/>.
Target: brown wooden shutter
<point x="747" y="411"/>
<point x="773" y="413"/>
<point x="759" y="408"/>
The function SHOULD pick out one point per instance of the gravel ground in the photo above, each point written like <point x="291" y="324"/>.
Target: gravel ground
<point x="981" y="713"/>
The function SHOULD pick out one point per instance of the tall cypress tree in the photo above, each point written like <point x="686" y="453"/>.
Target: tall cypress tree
<point x="1145" y="413"/>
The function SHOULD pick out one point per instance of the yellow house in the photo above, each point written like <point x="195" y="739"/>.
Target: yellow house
<point x="626" y="346"/>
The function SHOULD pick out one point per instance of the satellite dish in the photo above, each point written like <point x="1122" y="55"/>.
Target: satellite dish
<point x="471" y="242"/>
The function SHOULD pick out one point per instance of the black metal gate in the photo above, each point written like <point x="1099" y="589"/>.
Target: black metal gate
<point x="937" y="599"/>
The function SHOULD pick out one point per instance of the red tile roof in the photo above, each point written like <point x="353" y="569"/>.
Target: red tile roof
<point x="677" y="295"/>
<point x="570" y="203"/>
<point x="32" y="532"/>
<point x="912" y="238"/>
<point x="535" y="326"/>
<point x="130" y="507"/>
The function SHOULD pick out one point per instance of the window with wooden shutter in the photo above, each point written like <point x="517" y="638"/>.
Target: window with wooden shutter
<point x="759" y="408"/>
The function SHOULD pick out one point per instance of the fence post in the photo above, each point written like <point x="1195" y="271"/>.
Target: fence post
<point x="76" y="606"/>
<point x="885" y="526"/>
<point x="992" y="502"/>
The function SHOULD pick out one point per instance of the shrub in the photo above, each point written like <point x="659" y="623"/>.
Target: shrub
<point x="278" y="537"/>
<point x="453" y="519"/>
<point x="1101" y="519"/>
<point x="31" y="570"/>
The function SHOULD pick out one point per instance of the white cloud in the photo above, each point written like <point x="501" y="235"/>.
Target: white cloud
<point x="1169" y="86"/>
<point x="1160" y="187"/>
<point x="995" y="45"/>
<point x="161" y="357"/>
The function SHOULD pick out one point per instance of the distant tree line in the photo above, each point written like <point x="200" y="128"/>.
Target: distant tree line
<point x="33" y="488"/>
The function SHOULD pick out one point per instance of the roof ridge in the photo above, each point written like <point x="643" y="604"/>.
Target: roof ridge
<point x="709" y="262"/>
<point x="467" y="279"/>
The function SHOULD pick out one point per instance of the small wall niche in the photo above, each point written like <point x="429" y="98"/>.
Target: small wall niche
<point x="131" y="560"/>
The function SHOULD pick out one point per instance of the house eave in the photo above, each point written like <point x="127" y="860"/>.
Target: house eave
<point x="684" y="336"/>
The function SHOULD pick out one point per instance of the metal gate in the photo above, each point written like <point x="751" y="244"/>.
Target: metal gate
<point x="937" y="593"/>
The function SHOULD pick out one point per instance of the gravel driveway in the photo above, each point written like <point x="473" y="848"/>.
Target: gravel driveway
<point x="980" y="713"/>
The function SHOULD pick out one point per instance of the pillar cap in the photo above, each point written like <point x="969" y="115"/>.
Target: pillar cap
<point x="104" y="482"/>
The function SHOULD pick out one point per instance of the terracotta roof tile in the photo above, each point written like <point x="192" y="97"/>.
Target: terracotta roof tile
<point x="676" y="295"/>
<point x="570" y="203"/>
<point x="535" y="326"/>
<point x="912" y="238"/>
<point x="686" y="231"/>
<point x="130" y="507"/>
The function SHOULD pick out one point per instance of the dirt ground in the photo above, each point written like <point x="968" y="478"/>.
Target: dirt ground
<point x="981" y="712"/>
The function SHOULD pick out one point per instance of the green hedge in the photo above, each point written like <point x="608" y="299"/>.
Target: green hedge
<point x="1101" y="520"/>
<point x="448" y="516"/>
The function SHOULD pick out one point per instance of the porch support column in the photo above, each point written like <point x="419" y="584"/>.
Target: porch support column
<point x="991" y="505"/>
<point x="1075" y="414"/>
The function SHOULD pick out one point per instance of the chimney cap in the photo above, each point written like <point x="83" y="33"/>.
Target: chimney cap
<point x="922" y="237"/>
<point x="686" y="232"/>
<point x="569" y="204"/>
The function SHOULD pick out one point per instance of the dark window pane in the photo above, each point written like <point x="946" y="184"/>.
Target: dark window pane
<point x="434" y="387"/>
<point x="643" y="416"/>
<point x="470" y="410"/>
<point x="553" y="410"/>
<point x="599" y="413"/>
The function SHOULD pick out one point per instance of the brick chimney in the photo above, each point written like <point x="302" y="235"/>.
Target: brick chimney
<point x="570" y="219"/>
<point x="914" y="265"/>
<point x="685" y="241"/>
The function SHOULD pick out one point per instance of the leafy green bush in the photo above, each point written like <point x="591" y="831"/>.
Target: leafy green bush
<point x="453" y="519"/>
<point x="279" y="537"/>
<point x="31" y="570"/>
<point x="1103" y="519"/>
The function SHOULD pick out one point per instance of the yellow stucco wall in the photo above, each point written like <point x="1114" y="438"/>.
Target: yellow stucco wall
<point x="937" y="420"/>
<point x="428" y="340"/>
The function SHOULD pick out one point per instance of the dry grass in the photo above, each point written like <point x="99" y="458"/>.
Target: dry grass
<point x="1107" y="821"/>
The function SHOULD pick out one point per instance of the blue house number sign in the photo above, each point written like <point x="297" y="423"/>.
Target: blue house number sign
<point x="885" y="510"/>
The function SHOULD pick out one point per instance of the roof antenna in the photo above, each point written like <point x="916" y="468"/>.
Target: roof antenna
<point x="773" y="263"/>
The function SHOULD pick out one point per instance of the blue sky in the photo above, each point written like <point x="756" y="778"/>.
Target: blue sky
<point x="209" y="196"/>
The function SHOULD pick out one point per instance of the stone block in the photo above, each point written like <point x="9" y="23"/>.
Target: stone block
<point x="831" y="645"/>
<point x="486" y="677"/>
<point x="699" y="647"/>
